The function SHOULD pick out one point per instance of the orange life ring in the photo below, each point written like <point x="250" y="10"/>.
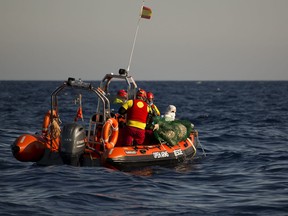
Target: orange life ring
<point x="47" y="121"/>
<point x="110" y="140"/>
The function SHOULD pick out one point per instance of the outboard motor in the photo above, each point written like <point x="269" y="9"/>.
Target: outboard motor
<point x="72" y="143"/>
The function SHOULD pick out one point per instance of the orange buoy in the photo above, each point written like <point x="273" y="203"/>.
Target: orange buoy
<point x="110" y="133"/>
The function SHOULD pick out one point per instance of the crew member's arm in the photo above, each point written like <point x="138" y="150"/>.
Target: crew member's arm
<point x="122" y="110"/>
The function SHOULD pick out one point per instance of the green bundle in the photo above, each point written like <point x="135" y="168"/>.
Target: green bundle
<point x="172" y="132"/>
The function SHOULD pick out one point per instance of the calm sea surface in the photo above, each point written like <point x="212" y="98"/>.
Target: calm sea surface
<point x="243" y="127"/>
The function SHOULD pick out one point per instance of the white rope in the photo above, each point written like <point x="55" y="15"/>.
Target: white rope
<point x="111" y="123"/>
<point x="190" y="141"/>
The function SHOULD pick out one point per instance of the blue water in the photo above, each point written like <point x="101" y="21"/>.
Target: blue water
<point x="243" y="127"/>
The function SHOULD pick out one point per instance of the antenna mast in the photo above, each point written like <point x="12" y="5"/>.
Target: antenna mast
<point x="146" y="14"/>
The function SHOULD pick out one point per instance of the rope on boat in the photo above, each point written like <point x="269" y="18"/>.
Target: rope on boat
<point x="163" y="146"/>
<point x="203" y="151"/>
<point x="190" y="141"/>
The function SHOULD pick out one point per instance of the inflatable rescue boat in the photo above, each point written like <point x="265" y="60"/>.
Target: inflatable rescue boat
<point x="88" y="131"/>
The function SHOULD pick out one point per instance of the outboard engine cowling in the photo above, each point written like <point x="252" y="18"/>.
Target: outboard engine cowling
<point x="72" y="143"/>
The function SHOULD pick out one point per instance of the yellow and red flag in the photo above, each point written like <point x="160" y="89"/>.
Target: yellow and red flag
<point x="146" y="12"/>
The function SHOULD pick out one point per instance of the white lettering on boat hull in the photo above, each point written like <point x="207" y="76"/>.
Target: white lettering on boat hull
<point x="163" y="154"/>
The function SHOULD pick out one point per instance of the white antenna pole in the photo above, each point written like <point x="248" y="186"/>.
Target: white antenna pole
<point x="135" y="37"/>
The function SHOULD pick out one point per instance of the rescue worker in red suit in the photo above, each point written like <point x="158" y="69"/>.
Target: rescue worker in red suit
<point x="137" y="112"/>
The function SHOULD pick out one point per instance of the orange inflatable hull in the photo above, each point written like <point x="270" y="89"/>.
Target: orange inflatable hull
<point x="33" y="148"/>
<point x="127" y="158"/>
<point x="28" y="148"/>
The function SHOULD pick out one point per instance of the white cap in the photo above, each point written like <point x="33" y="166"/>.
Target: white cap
<point x="171" y="108"/>
<point x="170" y="113"/>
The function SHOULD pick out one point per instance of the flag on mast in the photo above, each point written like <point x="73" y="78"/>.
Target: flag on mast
<point x="146" y="12"/>
<point x="79" y="114"/>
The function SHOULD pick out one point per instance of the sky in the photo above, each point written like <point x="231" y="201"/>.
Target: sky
<point x="184" y="39"/>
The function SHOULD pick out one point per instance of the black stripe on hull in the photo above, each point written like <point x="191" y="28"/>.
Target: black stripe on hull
<point x="128" y="163"/>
